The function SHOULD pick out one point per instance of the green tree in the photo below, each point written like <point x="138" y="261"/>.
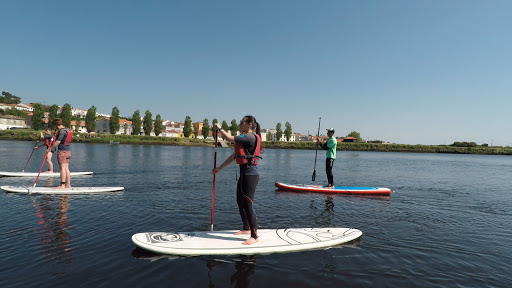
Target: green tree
<point x="78" y="121"/>
<point x="15" y="112"/>
<point x="66" y="115"/>
<point x="206" y="128"/>
<point x="234" y="127"/>
<point x="125" y="128"/>
<point x="355" y="135"/>
<point x="196" y="130"/>
<point x="114" y="121"/>
<point x="158" y="125"/>
<point x="37" y="116"/>
<point x="214" y="121"/>
<point x="90" y="119"/>
<point x="279" y="132"/>
<point x="8" y="98"/>
<point x="136" y="122"/>
<point x="147" y="123"/>
<point x="53" y="113"/>
<point x="224" y="125"/>
<point x="288" y="131"/>
<point x="464" y="144"/>
<point x="187" y="130"/>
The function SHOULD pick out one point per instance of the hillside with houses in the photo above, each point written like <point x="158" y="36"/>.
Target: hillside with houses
<point x="169" y="128"/>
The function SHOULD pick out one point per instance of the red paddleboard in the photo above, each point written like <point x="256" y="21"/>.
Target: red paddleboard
<point x="335" y="189"/>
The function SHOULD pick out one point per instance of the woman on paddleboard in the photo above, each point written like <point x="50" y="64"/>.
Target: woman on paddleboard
<point x="247" y="150"/>
<point x="62" y="142"/>
<point x="48" y="141"/>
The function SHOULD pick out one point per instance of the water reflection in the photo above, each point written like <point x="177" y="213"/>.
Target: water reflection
<point x="53" y="226"/>
<point x="327" y="214"/>
<point x="244" y="269"/>
<point x="140" y="253"/>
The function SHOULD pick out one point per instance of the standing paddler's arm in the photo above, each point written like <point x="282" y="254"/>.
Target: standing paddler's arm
<point x="55" y="144"/>
<point x="226" y="163"/>
<point x="225" y="134"/>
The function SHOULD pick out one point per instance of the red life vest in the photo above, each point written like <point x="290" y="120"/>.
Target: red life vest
<point x="242" y="155"/>
<point x="69" y="135"/>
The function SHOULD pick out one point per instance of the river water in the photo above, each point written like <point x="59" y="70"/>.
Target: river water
<point x="447" y="222"/>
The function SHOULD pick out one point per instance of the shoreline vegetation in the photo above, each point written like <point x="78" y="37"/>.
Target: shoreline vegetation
<point x="32" y="135"/>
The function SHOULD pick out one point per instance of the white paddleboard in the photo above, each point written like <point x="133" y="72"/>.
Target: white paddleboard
<point x="52" y="190"/>
<point x="225" y="243"/>
<point x="34" y="174"/>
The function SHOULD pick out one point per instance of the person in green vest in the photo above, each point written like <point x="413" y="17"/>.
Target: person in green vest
<point x="330" y="146"/>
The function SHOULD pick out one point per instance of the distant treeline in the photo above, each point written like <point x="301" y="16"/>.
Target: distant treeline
<point x="31" y="135"/>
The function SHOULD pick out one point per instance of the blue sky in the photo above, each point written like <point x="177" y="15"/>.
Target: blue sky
<point x="412" y="72"/>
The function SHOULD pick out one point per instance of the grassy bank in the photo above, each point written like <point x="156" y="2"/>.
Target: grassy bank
<point x="397" y="148"/>
<point x="31" y="135"/>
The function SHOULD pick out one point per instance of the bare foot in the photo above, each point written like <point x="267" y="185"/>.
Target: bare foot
<point x="60" y="187"/>
<point x="242" y="232"/>
<point x="250" y="241"/>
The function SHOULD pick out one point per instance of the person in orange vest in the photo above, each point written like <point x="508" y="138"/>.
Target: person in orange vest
<point x="247" y="153"/>
<point x="48" y="139"/>
<point x="62" y="142"/>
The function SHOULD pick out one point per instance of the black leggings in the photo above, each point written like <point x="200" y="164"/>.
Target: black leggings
<point x="245" y="191"/>
<point x="329" y="162"/>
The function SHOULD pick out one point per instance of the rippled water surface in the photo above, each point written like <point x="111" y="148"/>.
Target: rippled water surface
<point x="447" y="222"/>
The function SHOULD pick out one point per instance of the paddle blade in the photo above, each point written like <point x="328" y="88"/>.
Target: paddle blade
<point x="314" y="175"/>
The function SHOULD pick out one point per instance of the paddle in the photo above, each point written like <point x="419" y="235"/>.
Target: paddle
<point x="42" y="164"/>
<point x="316" y="151"/>
<point x="214" y="166"/>
<point x="41" y="168"/>
<point x="37" y="142"/>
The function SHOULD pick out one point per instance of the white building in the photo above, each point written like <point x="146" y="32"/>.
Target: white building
<point x="77" y="112"/>
<point x="273" y="137"/>
<point x="10" y="121"/>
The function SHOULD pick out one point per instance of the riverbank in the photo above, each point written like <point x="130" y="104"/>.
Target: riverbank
<point x="31" y="135"/>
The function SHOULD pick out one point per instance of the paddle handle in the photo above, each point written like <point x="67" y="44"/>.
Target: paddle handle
<point x="316" y="150"/>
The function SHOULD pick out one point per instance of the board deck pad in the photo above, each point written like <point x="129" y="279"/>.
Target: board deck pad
<point x="42" y="174"/>
<point x="226" y="243"/>
<point x="336" y="189"/>
<point x="52" y="190"/>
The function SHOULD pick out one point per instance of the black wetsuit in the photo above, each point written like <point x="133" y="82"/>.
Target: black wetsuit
<point x="246" y="187"/>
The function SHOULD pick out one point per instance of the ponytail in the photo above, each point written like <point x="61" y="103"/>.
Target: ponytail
<point x="255" y="125"/>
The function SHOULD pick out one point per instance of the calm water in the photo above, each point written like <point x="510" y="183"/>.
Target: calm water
<point x="447" y="222"/>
